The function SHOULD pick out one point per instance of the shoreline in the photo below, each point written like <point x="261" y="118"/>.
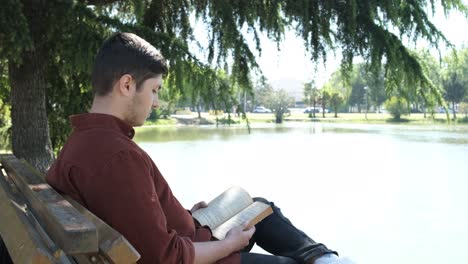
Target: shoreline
<point x="350" y="118"/>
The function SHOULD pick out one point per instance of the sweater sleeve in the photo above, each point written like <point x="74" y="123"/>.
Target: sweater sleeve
<point x="123" y="195"/>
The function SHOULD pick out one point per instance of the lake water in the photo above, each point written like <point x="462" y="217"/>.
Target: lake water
<point x="378" y="194"/>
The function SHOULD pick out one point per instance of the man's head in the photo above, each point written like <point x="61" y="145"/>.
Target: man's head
<point x="128" y="74"/>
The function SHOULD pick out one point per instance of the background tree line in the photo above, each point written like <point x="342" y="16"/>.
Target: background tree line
<point x="366" y="90"/>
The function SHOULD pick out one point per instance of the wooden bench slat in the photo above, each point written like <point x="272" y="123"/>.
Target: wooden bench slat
<point x="22" y="240"/>
<point x="111" y="243"/>
<point x="70" y="230"/>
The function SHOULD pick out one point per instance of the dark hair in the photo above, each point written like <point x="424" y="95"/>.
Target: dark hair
<point x="125" y="53"/>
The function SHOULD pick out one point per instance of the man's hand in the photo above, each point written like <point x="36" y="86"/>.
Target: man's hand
<point x="212" y="251"/>
<point x="239" y="237"/>
<point x="197" y="206"/>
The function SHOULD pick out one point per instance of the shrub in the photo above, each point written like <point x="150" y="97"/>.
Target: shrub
<point x="397" y="107"/>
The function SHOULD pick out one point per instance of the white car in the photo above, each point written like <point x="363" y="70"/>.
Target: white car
<point x="261" y="109"/>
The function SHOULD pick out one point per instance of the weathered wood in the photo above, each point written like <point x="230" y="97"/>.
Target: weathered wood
<point x="92" y="259"/>
<point x="23" y="242"/>
<point x="111" y="243"/>
<point x="58" y="253"/>
<point x="70" y="230"/>
<point x="114" y="247"/>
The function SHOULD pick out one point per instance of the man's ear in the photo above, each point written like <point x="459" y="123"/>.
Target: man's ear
<point x="126" y="85"/>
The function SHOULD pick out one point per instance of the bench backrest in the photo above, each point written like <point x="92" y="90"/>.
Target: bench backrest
<point x="52" y="227"/>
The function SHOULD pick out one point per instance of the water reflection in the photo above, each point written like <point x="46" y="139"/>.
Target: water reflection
<point x="378" y="193"/>
<point x="441" y="134"/>
<point x="167" y="134"/>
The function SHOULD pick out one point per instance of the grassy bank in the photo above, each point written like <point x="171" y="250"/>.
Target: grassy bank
<point x="372" y="118"/>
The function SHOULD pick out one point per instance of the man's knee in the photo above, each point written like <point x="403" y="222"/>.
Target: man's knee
<point x="261" y="199"/>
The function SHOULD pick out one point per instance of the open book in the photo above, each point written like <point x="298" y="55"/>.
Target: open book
<point x="230" y="209"/>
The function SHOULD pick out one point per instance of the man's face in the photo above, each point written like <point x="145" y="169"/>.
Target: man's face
<point x="144" y="101"/>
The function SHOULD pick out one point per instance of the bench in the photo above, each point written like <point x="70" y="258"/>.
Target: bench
<point x="38" y="225"/>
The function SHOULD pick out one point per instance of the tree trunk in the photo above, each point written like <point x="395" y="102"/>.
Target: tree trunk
<point x="313" y="110"/>
<point x="30" y="127"/>
<point x="278" y="118"/>
<point x="453" y="110"/>
<point x="199" y="110"/>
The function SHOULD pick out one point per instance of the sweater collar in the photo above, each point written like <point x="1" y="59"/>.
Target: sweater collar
<point x="94" y="120"/>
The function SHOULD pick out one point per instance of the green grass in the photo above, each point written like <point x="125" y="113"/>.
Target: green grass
<point x="359" y="118"/>
<point x="372" y="118"/>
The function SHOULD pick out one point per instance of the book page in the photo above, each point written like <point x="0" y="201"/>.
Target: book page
<point x="223" y="207"/>
<point x="253" y="214"/>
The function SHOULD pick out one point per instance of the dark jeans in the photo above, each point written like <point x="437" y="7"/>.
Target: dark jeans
<point x="4" y="256"/>
<point x="277" y="235"/>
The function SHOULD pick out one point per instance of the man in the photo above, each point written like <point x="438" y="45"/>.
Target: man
<point x="101" y="167"/>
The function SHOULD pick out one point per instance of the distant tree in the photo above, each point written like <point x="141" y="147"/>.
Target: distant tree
<point x="336" y="100"/>
<point x="432" y="68"/>
<point x="358" y="83"/>
<point x="307" y="90"/>
<point x="279" y="101"/>
<point x="397" y="106"/>
<point x="325" y="98"/>
<point x="455" y="80"/>
<point x="4" y="126"/>
<point x="454" y="91"/>
<point x="339" y="84"/>
<point x="5" y="120"/>
<point x="311" y="95"/>
<point x="375" y="81"/>
<point x="367" y="87"/>
<point x="223" y="95"/>
<point x="262" y="93"/>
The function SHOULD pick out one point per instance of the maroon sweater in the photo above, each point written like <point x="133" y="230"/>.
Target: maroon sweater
<point x="101" y="167"/>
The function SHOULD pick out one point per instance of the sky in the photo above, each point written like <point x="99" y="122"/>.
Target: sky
<point x="292" y="63"/>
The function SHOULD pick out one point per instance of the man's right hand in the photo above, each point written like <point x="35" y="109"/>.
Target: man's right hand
<point x="239" y="237"/>
<point x="212" y="251"/>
